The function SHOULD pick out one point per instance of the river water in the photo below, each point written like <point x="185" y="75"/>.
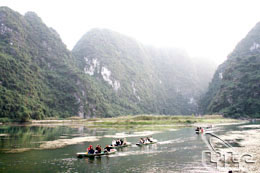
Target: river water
<point x="176" y="151"/>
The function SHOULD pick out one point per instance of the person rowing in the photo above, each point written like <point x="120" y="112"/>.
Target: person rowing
<point x="118" y="142"/>
<point x="107" y="149"/>
<point x="90" y="150"/>
<point x="98" y="149"/>
<point x="201" y="130"/>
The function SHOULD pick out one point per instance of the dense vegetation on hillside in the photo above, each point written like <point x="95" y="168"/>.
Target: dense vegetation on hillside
<point x="37" y="75"/>
<point x="235" y="90"/>
<point x="145" y="79"/>
<point x="107" y="74"/>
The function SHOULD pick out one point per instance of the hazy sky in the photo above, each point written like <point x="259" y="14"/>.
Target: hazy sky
<point x="204" y="28"/>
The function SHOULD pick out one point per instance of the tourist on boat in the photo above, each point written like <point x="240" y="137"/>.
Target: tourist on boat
<point x="98" y="149"/>
<point x="107" y="149"/>
<point x="145" y="140"/>
<point x="113" y="142"/>
<point x="197" y="130"/>
<point x="149" y="139"/>
<point x="141" y="140"/>
<point x="121" y="142"/>
<point x="90" y="150"/>
<point x="117" y="142"/>
<point x="124" y="141"/>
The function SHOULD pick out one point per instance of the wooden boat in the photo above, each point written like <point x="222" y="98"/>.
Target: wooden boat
<point x="121" y="146"/>
<point x="85" y="154"/>
<point x="146" y="143"/>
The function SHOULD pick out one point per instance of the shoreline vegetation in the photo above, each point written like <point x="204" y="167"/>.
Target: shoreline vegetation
<point x="141" y="125"/>
<point x="139" y="121"/>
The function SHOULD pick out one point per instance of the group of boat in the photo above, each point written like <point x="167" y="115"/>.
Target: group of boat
<point x="112" y="149"/>
<point x="121" y="143"/>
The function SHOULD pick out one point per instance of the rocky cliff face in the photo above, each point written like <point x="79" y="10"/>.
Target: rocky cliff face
<point x="107" y="74"/>
<point x="164" y="81"/>
<point x="234" y="90"/>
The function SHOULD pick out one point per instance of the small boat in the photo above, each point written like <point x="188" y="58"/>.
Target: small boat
<point x="146" y="143"/>
<point x="197" y="132"/>
<point x="200" y="131"/>
<point x="85" y="154"/>
<point x="121" y="146"/>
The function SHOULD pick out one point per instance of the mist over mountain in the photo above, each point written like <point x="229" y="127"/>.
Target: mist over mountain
<point x="106" y="74"/>
<point x="235" y="90"/>
<point x="151" y="80"/>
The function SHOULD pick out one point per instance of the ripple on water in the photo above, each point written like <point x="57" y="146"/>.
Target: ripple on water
<point x="135" y="134"/>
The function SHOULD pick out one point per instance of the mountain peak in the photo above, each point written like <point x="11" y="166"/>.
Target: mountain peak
<point x="6" y="9"/>
<point x="33" y="17"/>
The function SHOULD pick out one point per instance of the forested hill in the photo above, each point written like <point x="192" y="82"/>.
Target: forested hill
<point x="107" y="74"/>
<point x="38" y="78"/>
<point x="235" y="88"/>
<point x="148" y="79"/>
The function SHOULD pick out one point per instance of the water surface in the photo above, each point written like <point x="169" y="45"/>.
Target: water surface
<point x="177" y="150"/>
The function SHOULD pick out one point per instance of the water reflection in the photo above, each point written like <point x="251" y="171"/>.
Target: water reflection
<point x="176" y="151"/>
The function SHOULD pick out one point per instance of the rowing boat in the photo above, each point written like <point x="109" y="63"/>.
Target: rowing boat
<point x="146" y="143"/>
<point x="85" y="154"/>
<point x="121" y="146"/>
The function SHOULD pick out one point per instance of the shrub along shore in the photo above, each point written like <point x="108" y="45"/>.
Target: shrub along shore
<point x="140" y="121"/>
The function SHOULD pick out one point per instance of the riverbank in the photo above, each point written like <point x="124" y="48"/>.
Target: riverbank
<point x="138" y="122"/>
<point x="146" y="122"/>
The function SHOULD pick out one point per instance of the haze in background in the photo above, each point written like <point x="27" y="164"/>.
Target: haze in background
<point x="204" y="28"/>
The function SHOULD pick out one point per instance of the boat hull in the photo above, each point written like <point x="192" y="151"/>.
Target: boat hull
<point x="121" y="146"/>
<point x="140" y="144"/>
<point x="85" y="154"/>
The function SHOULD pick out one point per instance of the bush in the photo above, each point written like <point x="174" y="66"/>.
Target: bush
<point x="5" y="120"/>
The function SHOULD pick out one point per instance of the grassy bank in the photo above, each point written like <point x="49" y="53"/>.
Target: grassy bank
<point x="147" y="122"/>
<point x="160" y="120"/>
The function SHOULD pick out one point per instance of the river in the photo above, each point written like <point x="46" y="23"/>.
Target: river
<point x="26" y="149"/>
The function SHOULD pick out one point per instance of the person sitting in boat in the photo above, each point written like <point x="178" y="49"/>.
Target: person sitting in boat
<point x="124" y="141"/>
<point x="141" y="141"/>
<point x="107" y="149"/>
<point x="90" y="150"/>
<point x="121" y="142"/>
<point x="149" y="139"/>
<point x="145" y="140"/>
<point x="117" y="142"/>
<point x="114" y="142"/>
<point x="98" y="149"/>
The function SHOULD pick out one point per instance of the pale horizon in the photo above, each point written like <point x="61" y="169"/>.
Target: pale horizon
<point x="203" y="28"/>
